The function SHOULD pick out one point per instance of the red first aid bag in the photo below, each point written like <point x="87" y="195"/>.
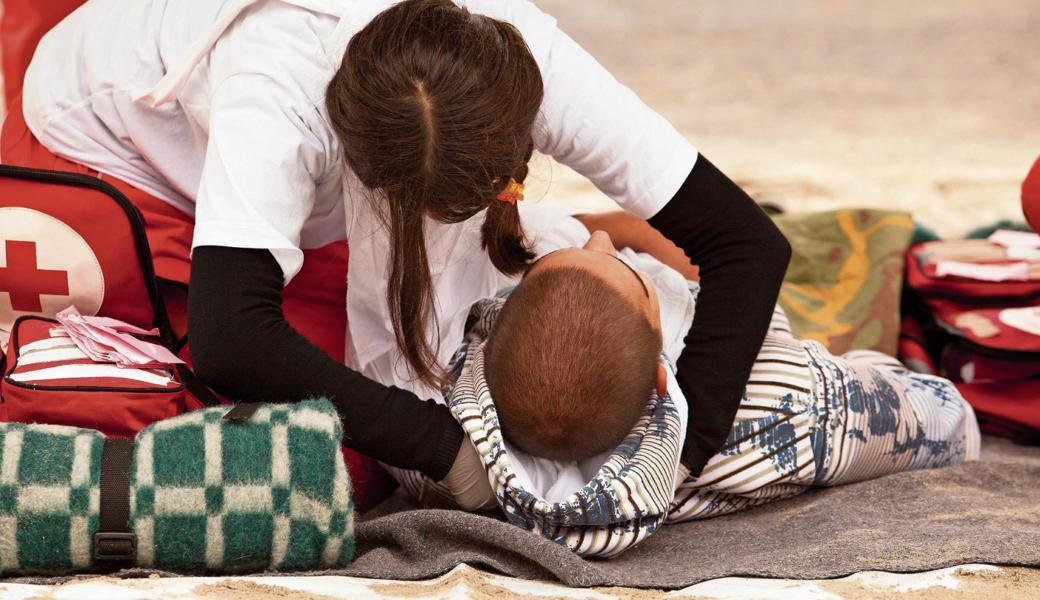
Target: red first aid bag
<point x="983" y="343"/>
<point x="50" y="380"/>
<point x="978" y="334"/>
<point x="70" y="239"/>
<point x="1009" y="409"/>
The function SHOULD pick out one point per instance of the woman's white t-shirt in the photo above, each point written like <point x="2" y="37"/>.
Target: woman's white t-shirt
<point x="242" y="140"/>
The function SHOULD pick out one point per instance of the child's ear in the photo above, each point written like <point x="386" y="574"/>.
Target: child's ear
<point x="662" y="380"/>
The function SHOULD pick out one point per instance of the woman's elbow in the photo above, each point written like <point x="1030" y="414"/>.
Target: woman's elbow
<point x="213" y="359"/>
<point x="781" y="250"/>
<point x="773" y="253"/>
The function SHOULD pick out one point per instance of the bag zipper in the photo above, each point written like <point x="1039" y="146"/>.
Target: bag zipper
<point x="68" y="388"/>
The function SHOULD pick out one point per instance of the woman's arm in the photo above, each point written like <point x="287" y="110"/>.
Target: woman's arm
<point x="600" y="128"/>
<point x="243" y="347"/>
<point x="742" y="258"/>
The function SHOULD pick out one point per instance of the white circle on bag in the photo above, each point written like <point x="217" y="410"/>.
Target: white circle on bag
<point x="49" y="268"/>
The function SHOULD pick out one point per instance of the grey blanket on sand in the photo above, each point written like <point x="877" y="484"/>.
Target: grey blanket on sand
<point x="983" y="512"/>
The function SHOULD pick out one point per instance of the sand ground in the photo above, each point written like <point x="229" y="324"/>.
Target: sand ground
<point x="932" y="107"/>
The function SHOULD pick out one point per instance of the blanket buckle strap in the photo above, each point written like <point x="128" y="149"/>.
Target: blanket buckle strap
<point x="113" y="542"/>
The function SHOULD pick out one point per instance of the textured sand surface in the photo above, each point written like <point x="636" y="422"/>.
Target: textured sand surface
<point x="931" y="106"/>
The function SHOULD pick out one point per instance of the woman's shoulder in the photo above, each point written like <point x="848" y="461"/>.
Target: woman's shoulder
<point x="280" y="41"/>
<point x="536" y="26"/>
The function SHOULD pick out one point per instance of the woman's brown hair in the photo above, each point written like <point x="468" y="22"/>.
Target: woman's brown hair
<point x="435" y="108"/>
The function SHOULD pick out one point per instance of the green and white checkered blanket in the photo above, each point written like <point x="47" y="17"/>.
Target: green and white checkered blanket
<point x="206" y="494"/>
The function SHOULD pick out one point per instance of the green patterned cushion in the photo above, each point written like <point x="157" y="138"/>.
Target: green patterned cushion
<point x="846" y="275"/>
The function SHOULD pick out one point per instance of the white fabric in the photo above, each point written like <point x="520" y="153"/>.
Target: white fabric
<point x="1024" y="319"/>
<point x="61" y="353"/>
<point x="1015" y="239"/>
<point x="47" y="344"/>
<point x="187" y="101"/>
<point x="1017" y="271"/>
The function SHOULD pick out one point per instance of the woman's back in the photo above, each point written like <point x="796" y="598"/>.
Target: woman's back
<point x="81" y="88"/>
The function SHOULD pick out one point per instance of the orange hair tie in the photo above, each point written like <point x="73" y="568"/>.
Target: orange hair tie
<point x="513" y="193"/>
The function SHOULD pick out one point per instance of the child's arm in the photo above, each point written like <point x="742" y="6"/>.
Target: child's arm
<point x="629" y="231"/>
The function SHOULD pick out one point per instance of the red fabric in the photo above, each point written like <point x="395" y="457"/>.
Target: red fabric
<point x="1031" y="196"/>
<point x="73" y="242"/>
<point x="923" y="280"/>
<point x="962" y="362"/>
<point x="912" y="349"/>
<point x="314" y="302"/>
<point x="959" y="301"/>
<point x="23" y="24"/>
<point x="1006" y="408"/>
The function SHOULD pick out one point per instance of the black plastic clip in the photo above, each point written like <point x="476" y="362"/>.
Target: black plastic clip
<point x="242" y="411"/>
<point x="115" y="547"/>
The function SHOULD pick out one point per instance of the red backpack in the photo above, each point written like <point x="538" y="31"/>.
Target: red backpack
<point x="70" y="239"/>
<point x="963" y="328"/>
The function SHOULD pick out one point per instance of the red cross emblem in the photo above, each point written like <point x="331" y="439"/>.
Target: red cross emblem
<point x="25" y="282"/>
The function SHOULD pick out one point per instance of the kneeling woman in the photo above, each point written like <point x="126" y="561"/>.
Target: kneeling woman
<point x="262" y="134"/>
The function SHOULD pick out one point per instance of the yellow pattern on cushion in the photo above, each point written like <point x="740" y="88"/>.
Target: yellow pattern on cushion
<point x="846" y="275"/>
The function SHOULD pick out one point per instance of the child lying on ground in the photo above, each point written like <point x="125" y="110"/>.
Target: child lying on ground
<point x="571" y="365"/>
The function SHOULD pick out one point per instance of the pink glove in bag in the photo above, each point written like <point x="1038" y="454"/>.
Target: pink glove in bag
<point x="113" y="341"/>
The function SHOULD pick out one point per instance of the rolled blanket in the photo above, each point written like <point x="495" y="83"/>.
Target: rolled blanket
<point x="206" y="494"/>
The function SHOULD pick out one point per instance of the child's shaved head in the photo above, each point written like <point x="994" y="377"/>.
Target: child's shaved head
<point x="570" y="364"/>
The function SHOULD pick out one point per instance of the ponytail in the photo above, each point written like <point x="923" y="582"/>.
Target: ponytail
<point x="502" y="234"/>
<point x="409" y="292"/>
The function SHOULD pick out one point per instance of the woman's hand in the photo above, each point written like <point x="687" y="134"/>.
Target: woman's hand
<point x="629" y="231"/>
<point x="467" y="480"/>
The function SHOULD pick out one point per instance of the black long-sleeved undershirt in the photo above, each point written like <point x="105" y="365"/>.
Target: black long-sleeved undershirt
<point x="243" y="347"/>
<point x="742" y="258"/>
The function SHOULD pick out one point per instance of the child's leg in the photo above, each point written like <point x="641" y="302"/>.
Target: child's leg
<point x="877" y="417"/>
<point x="768" y="454"/>
<point x="779" y="323"/>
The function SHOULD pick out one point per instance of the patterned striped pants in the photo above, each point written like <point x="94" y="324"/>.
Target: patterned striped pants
<point x="809" y="418"/>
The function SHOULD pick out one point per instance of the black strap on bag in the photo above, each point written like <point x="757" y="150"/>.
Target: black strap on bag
<point x="198" y="389"/>
<point x="188" y="377"/>
<point x="113" y="542"/>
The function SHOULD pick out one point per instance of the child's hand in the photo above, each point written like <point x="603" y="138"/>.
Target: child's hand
<point x="629" y="231"/>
